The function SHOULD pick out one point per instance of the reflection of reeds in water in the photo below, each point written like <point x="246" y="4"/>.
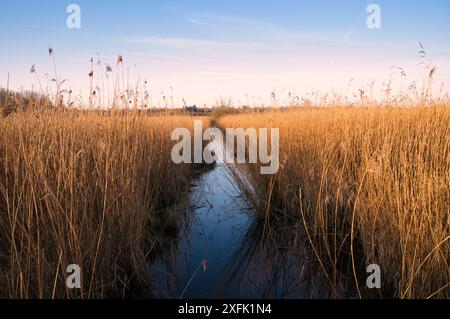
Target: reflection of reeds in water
<point x="174" y="249"/>
<point x="277" y="268"/>
<point x="274" y="266"/>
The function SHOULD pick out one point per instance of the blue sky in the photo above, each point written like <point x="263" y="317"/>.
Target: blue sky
<point x="207" y="49"/>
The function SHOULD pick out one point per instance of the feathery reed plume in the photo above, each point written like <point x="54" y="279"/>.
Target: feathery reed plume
<point x="58" y="101"/>
<point x="91" y="84"/>
<point x="108" y="69"/>
<point x="33" y="71"/>
<point x="122" y="95"/>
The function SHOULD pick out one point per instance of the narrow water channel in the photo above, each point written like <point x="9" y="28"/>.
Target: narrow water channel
<point x="220" y="251"/>
<point x="211" y="233"/>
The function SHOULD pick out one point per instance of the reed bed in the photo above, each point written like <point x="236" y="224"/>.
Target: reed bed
<point x="83" y="187"/>
<point x="369" y="185"/>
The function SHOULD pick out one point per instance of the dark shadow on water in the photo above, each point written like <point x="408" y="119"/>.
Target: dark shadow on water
<point x="278" y="268"/>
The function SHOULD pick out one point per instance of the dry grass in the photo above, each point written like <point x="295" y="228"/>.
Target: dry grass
<point x="82" y="188"/>
<point x="370" y="186"/>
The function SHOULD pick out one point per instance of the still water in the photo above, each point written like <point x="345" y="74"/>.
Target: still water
<point x="219" y="252"/>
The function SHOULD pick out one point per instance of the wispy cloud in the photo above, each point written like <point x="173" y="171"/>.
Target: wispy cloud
<point x="196" y="21"/>
<point x="269" y="32"/>
<point x="347" y="36"/>
<point x="190" y="42"/>
<point x="356" y="22"/>
<point x="168" y="58"/>
<point x="37" y="27"/>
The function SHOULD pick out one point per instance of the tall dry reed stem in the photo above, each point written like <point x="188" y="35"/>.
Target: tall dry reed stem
<point x="372" y="186"/>
<point x="82" y="188"/>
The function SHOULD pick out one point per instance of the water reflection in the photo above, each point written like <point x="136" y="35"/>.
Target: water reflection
<point x="220" y="250"/>
<point x="212" y="232"/>
<point x="276" y="266"/>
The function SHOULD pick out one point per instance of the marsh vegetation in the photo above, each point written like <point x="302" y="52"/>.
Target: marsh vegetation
<point x="360" y="182"/>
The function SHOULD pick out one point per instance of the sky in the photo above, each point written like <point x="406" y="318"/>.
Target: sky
<point x="203" y="50"/>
